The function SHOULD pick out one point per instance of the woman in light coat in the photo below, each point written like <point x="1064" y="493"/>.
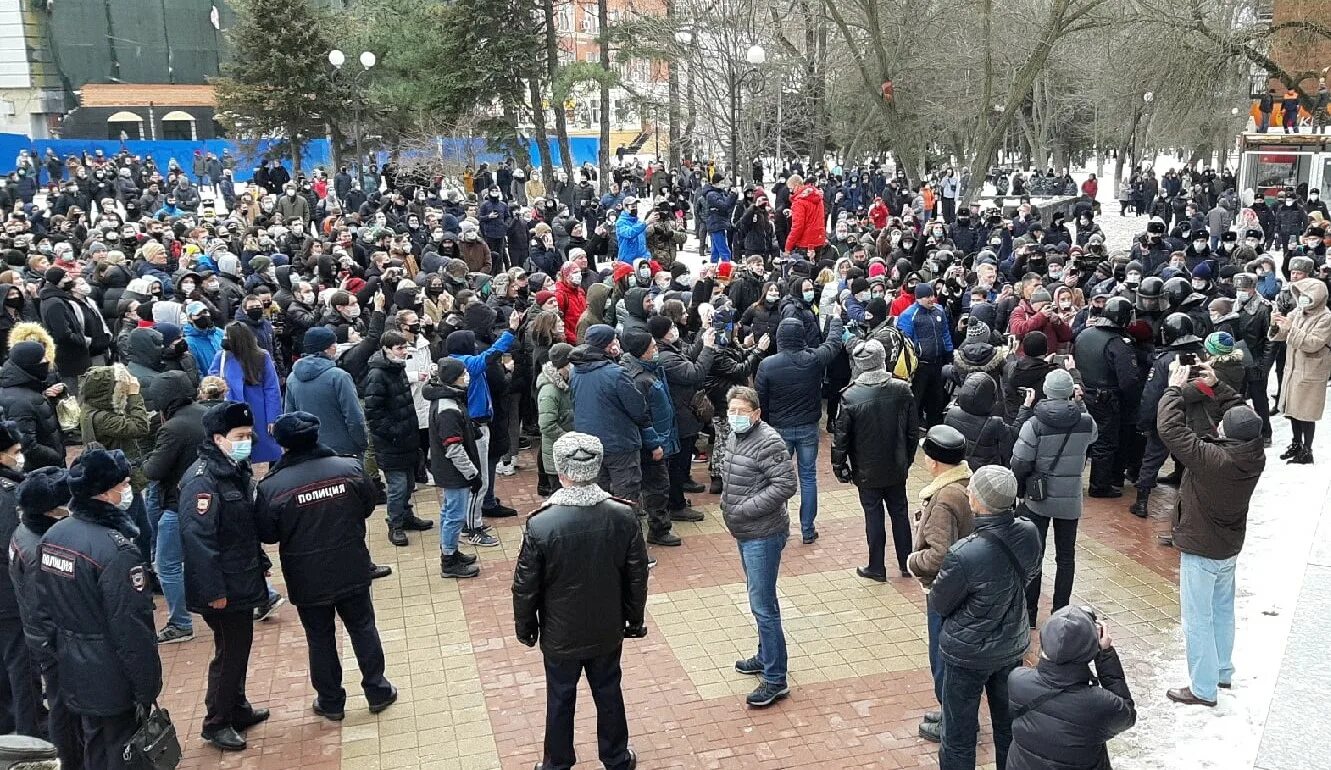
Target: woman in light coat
<point x="1306" y="332"/>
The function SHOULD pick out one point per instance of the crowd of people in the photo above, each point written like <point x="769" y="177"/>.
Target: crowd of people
<point x="184" y="382"/>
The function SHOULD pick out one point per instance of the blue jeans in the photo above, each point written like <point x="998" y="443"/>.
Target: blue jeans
<point x="935" y="622"/>
<point x="720" y="242"/>
<point x="802" y="443"/>
<point x="962" y="688"/>
<point x="452" y="515"/>
<point x="1206" y="598"/>
<point x="761" y="559"/>
<point x="401" y="483"/>
<point x="171" y="570"/>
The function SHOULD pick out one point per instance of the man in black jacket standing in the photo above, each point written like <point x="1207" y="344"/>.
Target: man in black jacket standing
<point x="981" y="593"/>
<point x="224" y="566"/>
<point x="314" y="504"/>
<point x="873" y="446"/>
<point x="94" y="609"/>
<point x="20" y="691"/>
<point x="580" y="586"/>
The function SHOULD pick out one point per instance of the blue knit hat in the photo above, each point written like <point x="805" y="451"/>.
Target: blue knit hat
<point x="1219" y="343"/>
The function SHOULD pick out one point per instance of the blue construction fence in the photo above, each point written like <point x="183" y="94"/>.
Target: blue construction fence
<point x="248" y="156"/>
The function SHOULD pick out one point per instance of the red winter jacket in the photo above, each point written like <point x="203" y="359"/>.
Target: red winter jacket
<point x="1025" y="319"/>
<point x="808" y="228"/>
<point x="572" y="302"/>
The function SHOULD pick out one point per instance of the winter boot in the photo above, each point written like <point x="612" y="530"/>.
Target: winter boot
<point x="1290" y="451"/>
<point x="450" y="566"/>
<point x="1142" y="504"/>
<point x="715" y="487"/>
<point x="1304" y="457"/>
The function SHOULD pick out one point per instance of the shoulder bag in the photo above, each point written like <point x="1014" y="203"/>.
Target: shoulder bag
<point x="1037" y="486"/>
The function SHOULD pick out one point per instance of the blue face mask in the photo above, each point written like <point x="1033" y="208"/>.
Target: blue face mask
<point x="240" y="450"/>
<point x="808" y="296"/>
<point x="740" y="423"/>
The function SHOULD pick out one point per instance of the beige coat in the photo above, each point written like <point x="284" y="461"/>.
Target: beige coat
<point x="1307" y="358"/>
<point x="944" y="518"/>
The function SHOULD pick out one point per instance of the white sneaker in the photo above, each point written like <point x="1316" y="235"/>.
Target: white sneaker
<point x="506" y="468"/>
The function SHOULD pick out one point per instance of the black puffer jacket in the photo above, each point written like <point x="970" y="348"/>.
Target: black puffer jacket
<point x="390" y="413"/>
<point x="730" y="367"/>
<point x="9" y="518"/>
<point x="989" y="439"/>
<point x="876" y="432"/>
<point x="979" y="357"/>
<point x="1068" y="731"/>
<point x="790" y="383"/>
<point x="178" y="440"/>
<point x="314" y="504"/>
<point x="67" y="328"/>
<point x="144" y="361"/>
<point x="23" y="401"/>
<point x="982" y="598"/>
<point x="581" y="577"/>
<point x="1024" y="372"/>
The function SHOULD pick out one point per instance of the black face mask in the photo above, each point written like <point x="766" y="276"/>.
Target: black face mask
<point x="434" y="291"/>
<point x="413" y="328"/>
<point x="203" y="322"/>
<point x="14" y="302"/>
<point x="254" y="313"/>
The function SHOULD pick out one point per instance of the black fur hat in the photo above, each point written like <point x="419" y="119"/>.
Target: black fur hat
<point x="221" y="419"/>
<point x="45" y="489"/>
<point x="96" y="471"/>
<point x="296" y="430"/>
<point x="9" y="435"/>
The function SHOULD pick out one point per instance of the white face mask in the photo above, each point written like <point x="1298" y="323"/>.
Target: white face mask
<point x="1305" y="302"/>
<point x="19" y="462"/>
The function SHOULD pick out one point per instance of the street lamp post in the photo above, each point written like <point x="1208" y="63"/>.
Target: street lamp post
<point x="367" y="62"/>
<point x="756" y="57"/>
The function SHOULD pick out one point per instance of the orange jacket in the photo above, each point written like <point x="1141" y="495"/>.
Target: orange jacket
<point x="808" y="228"/>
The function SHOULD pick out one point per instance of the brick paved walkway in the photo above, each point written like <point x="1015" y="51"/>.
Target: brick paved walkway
<point x="472" y="697"/>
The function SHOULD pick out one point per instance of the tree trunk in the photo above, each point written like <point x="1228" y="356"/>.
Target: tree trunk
<point x="672" y="96"/>
<point x="603" y="38"/>
<point x="561" y="123"/>
<point x="294" y="133"/>
<point x="542" y="134"/>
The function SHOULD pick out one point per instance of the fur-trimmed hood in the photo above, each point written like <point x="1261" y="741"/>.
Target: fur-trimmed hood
<point x="34" y="332"/>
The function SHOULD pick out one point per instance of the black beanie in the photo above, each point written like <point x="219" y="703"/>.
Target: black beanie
<point x="450" y="369"/>
<point x="1035" y="345"/>
<point x="45" y="489"/>
<point x="636" y="343"/>
<point x="658" y="326"/>
<point x="858" y="285"/>
<point x="877" y="308"/>
<point x="54" y="275"/>
<point x="296" y="430"/>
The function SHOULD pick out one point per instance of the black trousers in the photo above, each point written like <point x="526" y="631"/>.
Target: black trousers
<point x="1106" y="469"/>
<point x="233" y="635"/>
<point x="678" y="466"/>
<point x="561" y="696"/>
<point x="1261" y="403"/>
<point x="20" y="687"/>
<point x="104" y="740"/>
<point x="635" y="476"/>
<point x="498" y="255"/>
<point x="876" y="500"/>
<point x="65" y="727"/>
<point x="930" y="393"/>
<point x="1065" y="557"/>
<point x="1153" y="459"/>
<point x="357" y="613"/>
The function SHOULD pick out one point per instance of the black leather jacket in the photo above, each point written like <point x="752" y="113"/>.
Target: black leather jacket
<point x="581" y="578"/>
<point x="982" y="598"/>
<point x="314" y="504"/>
<point x="876" y="432"/>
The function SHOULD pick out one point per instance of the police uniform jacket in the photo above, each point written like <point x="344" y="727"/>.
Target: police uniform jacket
<point x="94" y="611"/>
<point x="9" y="481"/>
<point x="223" y="558"/>
<point x="314" y="505"/>
<point x="24" y="562"/>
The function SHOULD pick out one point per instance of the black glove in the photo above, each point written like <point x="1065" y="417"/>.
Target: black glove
<point x="842" y="474"/>
<point x="476" y="484"/>
<point x="530" y="641"/>
<point x="638" y="631"/>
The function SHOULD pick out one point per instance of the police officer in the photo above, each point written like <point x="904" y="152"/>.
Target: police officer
<point x="224" y="566"/>
<point x="42" y="499"/>
<point x="94" y="609"/>
<point x="314" y="504"/>
<point x="20" y="692"/>
<point x="1108" y="366"/>
<point x="1177" y="333"/>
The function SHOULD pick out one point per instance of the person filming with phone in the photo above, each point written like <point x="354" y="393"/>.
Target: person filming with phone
<point x="1063" y="714"/>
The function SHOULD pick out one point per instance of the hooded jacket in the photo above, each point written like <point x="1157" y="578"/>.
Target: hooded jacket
<point x="983" y="358"/>
<point x="1307" y="357"/>
<point x="1075" y="718"/>
<point x="318" y="386"/>
<point x="178" y="440"/>
<point x="117" y="421"/>
<point x="1037" y="451"/>
<point x="790" y="383"/>
<point x="554" y="409"/>
<point x="24" y="402"/>
<point x="26" y="312"/>
<point x="808" y="228"/>
<point x="608" y="405"/>
<point x="204" y="344"/>
<point x="631" y="233"/>
<point x="989" y="438"/>
<point x="1211" y="515"/>
<point x="649" y="378"/>
<point x="144" y="361"/>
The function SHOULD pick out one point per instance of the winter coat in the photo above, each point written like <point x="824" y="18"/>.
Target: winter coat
<point x="9" y="521"/>
<point x="790" y="383"/>
<point x="982" y="598"/>
<point x="943" y="519"/>
<point x="649" y="378"/>
<point x="1211" y="514"/>
<point x="759" y="479"/>
<point x="876" y="432"/>
<point x="1074" y="719"/>
<point x="979" y="358"/>
<point x="144" y="361"/>
<point x="632" y="235"/>
<point x="1025" y="319"/>
<point x="23" y="401"/>
<point x="1036" y="454"/>
<point x="989" y="438"/>
<point x="264" y="399"/>
<point x="218" y="536"/>
<point x="1024" y="372"/>
<point x="581" y="577"/>
<point x="390" y="413"/>
<point x="177" y="443"/>
<point x="731" y="366"/>
<point x="455" y="459"/>
<point x="318" y="386"/>
<point x="124" y="426"/>
<point x="607" y="404"/>
<point x="63" y="317"/>
<point x="808" y="223"/>
<point x="761" y="318"/>
<point x="476" y="254"/>
<point x="314" y="505"/>
<point x="930" y="330"/>
<point x="554" y="408"/>
<point x="1307" y="358"/>
<point x="204" y="344"/>
<point x="685" y="375"/>
<point x="720" y="205"/>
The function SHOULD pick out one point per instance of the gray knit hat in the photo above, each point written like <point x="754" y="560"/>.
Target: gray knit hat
<point x="1059" y="385"/>
<point x="870" y="356"/>
<point x="578" y="457"/>
<point x="1241" y="423"/>
<point x="995" y="487"/>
